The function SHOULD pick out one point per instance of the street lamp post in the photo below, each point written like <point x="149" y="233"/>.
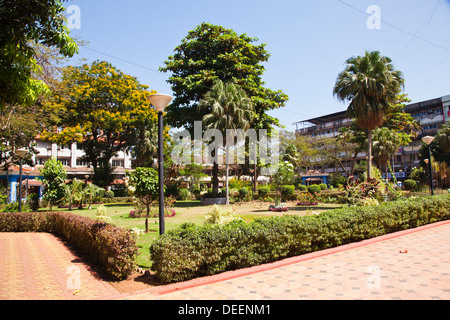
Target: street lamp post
<point x="20" y="153"/>
<point x="428" y="140"/>
<point x="160" y="102"/>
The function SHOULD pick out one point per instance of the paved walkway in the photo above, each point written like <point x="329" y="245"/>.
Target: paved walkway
<point x="38" y="266"/>
<point x="413" y="264"/>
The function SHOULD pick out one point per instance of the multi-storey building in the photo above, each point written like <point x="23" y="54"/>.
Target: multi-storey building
<point x="431" y="115"/>
<point x="71" y="157"/>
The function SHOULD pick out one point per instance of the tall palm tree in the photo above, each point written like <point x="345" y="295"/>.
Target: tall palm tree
<point x="370" y="83"/>
<point x="226" y="106"/>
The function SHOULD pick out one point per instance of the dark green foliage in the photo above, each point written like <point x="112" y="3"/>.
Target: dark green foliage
<point x="410" y="185"/>
<point x="314" y="188"/>
<point x="193" y="251"/>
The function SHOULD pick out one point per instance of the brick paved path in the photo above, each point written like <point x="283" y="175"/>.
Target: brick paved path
<point x="38" y="266"/>
<point x="372" y="269"/>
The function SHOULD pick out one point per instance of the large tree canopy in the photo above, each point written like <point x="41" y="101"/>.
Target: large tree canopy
<point x="210" y="53"/>
<point x="105" y="110"/>
<point x="23" y="24"/>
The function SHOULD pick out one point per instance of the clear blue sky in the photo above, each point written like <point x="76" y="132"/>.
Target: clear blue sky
<point x="309" y="42"/>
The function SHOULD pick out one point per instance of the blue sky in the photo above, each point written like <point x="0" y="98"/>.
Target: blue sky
<point x="309" y="42"/>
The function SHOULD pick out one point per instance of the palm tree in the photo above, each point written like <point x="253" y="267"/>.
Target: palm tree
<point x="91" y="191"/>
<point x="73" y="192"/>
<point x="370" y="83"/>
<point x="226" y="106"/>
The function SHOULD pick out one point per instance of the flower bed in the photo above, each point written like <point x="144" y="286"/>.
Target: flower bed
<point x="111" y="248"/>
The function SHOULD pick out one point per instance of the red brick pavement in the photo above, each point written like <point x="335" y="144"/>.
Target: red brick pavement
<point x="38" y="266"/>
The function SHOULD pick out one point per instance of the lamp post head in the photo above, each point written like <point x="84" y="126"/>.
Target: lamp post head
<point x="160" y="101"/>
<point x="21" y="153"/>
<point x="428" y="140"/>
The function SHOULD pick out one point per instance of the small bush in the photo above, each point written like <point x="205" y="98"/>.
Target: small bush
<point x="109" y="194"/>
<point x="243" y="192"/>
<point x="183" y="194"/>
<point x="287" y="192"/>
<point x="302" y="188"/>
<point x="314" y="188"/>
<point x="323" y="186"/>
<point x="263" y="192"/>
<point x="410" y="185"/>
<point x="220" y="216"/>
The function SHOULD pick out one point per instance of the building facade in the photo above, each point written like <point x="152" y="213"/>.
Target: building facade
<point x="431" y="115"/>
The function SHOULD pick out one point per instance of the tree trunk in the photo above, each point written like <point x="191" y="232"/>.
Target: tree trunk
<point x="215" y="179"/>
<point x="369" y="157"/>
<point x="146" y="218"/>
<point x="226" y="182"/>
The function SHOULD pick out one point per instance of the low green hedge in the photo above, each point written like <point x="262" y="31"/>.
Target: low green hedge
<point x="111" y="248"/>
<point x="193" y="251"/>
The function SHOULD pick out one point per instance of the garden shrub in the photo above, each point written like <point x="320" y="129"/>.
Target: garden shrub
<point x="323" y="186"/>
<point x="193" y="251"/>
<point x="410" y="185"/>
<point x="302" y="188"/>
<point x="287" y="192"/>
<point x="243" y="192"/>
<point x="263" y="192"/>
<point x="111" y="248"/>
<point x="314" y="188"/>
<point x="217" y="215"/>
<point x="109" y="194"/>
<point x="183" y="194"/>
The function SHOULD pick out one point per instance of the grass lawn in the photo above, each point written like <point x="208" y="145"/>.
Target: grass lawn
<point x="186" y="211"/>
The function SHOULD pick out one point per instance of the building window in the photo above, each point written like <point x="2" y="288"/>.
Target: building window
<point x="118" y="163"/>
<point x="65" y="162"/>
<point x="82" y="163"/>
<point x="41" y="161"/>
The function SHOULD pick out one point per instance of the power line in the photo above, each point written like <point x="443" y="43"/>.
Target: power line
<point x="398" y="28"/>
<point x="425" y="26"/>
<point x="124" y="60"/>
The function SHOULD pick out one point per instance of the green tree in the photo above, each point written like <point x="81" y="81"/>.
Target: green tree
<point x="283" y="176"/>
<point x="209" y="53"/>
<point x="369" y="83"/>
<point x="103" y="109"/>
<point x="73" y="193"/>
<point x="440" y="147"/>
<point x="385" y="143"/>
<point x="143" y="182"/>
<point x="53" y="179"/>
<point x="25" y="23"/>
<point x="226" y="107"/>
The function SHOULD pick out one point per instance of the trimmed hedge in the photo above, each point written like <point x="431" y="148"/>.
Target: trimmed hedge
<point x="111" y="248"/>
<point x="193" y="251"/>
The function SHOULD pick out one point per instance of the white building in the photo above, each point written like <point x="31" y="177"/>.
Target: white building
<point x="71" y="157"/>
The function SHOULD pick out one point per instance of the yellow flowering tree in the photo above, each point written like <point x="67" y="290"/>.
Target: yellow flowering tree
<point x="105" y="110"/>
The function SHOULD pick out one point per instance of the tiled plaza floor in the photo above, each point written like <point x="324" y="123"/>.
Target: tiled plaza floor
<point x="409" y="265"/>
